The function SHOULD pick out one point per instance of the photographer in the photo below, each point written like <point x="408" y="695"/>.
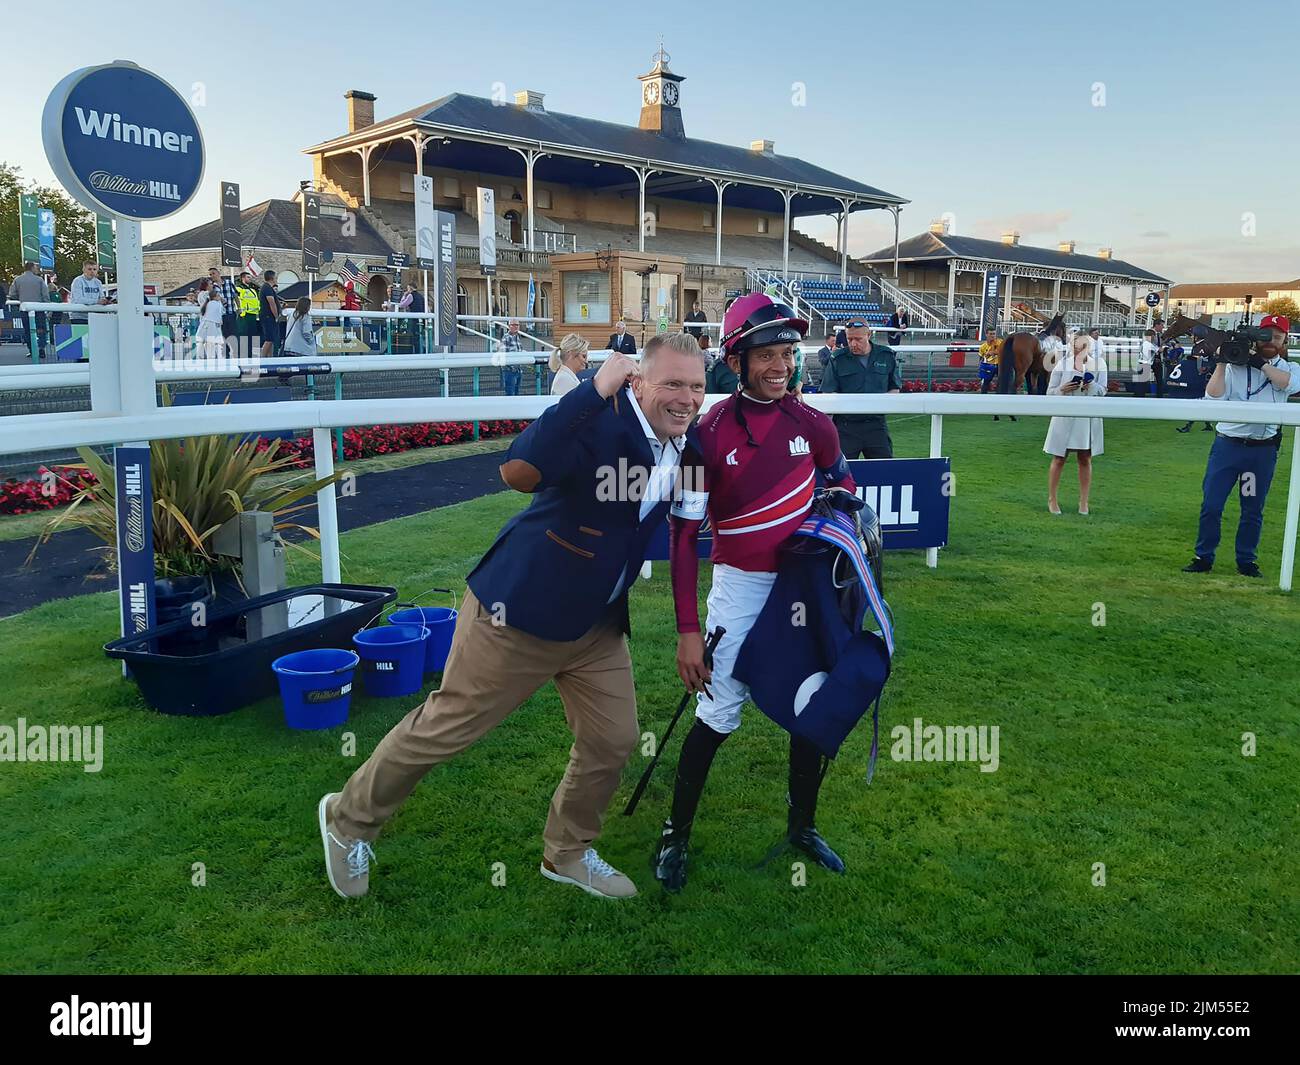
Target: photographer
<point x="1244" y="453"/>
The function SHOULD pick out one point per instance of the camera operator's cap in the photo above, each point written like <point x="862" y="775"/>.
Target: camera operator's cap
<point x="1276" y="321"/>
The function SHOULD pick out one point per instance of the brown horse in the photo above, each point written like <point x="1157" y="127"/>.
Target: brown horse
<point x="1021" y="361"/>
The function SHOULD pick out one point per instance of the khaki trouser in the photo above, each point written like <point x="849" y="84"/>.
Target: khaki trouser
<point x="492" y="669"/>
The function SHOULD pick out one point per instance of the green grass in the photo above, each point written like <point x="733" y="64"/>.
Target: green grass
<point x="1119" y="744"/>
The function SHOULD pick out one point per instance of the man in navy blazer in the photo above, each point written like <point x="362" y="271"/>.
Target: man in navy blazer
<point x="621" y="339"/>
<point x="548" y="601"/>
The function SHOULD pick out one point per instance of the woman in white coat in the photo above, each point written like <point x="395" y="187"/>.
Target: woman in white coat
<point x="208" y="339"/>
<point x="566" y="362"/>
<point x="1078" y="374"/>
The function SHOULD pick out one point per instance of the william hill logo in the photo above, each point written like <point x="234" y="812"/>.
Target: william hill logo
<point x="110" y="126"/>
<point x="134" y="492"/>
<point x="891" y="508"/>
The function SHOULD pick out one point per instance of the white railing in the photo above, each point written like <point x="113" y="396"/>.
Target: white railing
<point x="22" y="433"/>
<point x="903" y="298"/>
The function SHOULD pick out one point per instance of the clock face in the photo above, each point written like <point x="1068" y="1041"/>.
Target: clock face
<point x="670" y="93"/>
<point x="651" y="92"/>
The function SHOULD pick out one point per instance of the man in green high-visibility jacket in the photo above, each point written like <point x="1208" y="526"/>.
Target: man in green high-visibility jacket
<point x="863" y="368"/>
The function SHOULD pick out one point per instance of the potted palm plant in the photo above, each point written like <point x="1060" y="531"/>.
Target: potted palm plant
<point x="199" y="483"/>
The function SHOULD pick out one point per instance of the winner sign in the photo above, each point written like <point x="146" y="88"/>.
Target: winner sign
<point x="123" y="142"/>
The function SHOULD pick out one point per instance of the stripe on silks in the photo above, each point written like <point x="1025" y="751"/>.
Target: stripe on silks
<point x="839" y="532"/>
<point x="810" y="668"/>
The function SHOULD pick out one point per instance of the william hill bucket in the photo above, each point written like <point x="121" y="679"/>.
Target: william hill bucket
<point x="441" y="623"/>
<point x="316" y="687"/>
<point x="392" y="658"/>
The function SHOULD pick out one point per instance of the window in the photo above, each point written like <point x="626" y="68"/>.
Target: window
<point x="450" y="187"/>
<point x="406" y="183"/>
<point x="543" y="198"/>
<point x="762" y="225"/>
<point x="708" y="219"/>
<point x="586" y="296"/>
<point x="285" y="278"/>
<point x="462" y="300"/>
<point x="647" y="299"/>
<point x="911" y="278"/>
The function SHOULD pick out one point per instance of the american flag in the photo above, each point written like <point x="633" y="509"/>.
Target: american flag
<point x="350" y="271"/>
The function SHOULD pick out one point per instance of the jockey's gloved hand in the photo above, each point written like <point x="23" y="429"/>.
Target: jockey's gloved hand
<point x="842" y="499"/>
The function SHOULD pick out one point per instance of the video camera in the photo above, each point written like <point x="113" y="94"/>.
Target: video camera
<point x="1235" y="346"/>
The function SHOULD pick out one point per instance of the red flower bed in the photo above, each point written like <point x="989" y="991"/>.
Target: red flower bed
<point x="53" y="488"/>
<point x="42" y="493"/>
<point x="919" y="385"/>
<point x="366" y="441"/>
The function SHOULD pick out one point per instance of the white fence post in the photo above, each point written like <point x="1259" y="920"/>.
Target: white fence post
<point x="327" y="517"/>
<point x="1292" y="515"/>
<point x="936" y="452"/>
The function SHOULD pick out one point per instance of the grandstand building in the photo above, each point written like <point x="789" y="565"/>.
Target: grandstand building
<point x="1195" y="300"/>
<point x="944" y="274"/>
<point x="564" y="184"/>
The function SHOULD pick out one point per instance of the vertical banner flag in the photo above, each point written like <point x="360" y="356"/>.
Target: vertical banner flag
<point x="31" y="238"/>
<point x="135" y="565"/>
<point x="105" y="249"/>
<point x="532" y="295"/>
<point x="445" y="279"/>
<point x="487" y="231"/>
<point x="992" y="300"/>
<point x="425" y="240"/>
<point x="311" y="232"/>
<point x="232" y="238"/>
<point x="45" y="227"/>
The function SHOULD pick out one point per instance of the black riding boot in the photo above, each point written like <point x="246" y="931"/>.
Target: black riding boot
<point x="807" y="768"/>
<point x="669" y="861"/>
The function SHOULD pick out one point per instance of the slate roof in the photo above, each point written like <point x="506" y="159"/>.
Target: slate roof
<point x="277" y="224"/>
<point x="1231" y="289"/>
<point x="933" y="246"/>
<point x="481" y="115"/>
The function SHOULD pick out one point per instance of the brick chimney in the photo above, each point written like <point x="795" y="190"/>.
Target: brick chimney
<point x="1106" y="253"/>
<point x="1066" y="246"/>
<point x="763" y="147"/>
<point x="1011" y="236"/>
<point x="939" y="227"/>
<point x="361" y="109"/>
<point x="530" y="100"/>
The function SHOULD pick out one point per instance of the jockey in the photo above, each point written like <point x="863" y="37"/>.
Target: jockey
<point x="759" y="453"/>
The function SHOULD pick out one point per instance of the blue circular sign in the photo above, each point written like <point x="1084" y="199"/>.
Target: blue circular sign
<point x="1153" y="299"/>
<point x="123" y="142"/>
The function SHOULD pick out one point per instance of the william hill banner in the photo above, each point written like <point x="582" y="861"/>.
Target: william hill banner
<point x="909" y="496"/>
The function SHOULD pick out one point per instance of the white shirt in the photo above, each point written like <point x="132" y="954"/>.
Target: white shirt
<point x="1248" y="384"/>
<point x="1147" y="357"/>
<point x="662" y="479"/>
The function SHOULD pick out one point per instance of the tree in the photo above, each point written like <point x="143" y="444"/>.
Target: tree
<point x="1282" y="305"/>
<point x="74" y="227"/>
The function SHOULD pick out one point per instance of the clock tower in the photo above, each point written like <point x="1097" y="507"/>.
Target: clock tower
<point x="661" y="109"/>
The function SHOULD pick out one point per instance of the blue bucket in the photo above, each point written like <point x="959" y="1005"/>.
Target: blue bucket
<point x="392" y="658"/>
<point x="441" y="623"/>
<point x="316" y="687"/>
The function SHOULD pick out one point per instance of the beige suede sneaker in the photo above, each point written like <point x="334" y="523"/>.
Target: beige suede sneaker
<point x="591" y="873"/>
<point x="347" y="861"/>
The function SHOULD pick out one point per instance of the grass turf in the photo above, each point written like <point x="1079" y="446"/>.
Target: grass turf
<point x="1119" y="744"/>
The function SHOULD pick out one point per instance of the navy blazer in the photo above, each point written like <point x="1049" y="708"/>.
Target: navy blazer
<point x="627" y="345"/>
<point x="555" y="564"/>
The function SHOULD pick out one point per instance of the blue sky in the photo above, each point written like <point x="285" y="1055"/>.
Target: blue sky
<point x="1107" y="123"/>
